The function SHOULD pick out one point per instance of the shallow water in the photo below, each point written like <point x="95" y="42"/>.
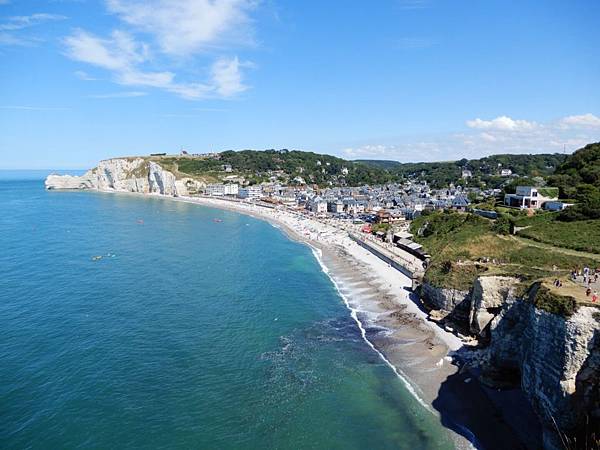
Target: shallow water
<point x="187" y="333"/>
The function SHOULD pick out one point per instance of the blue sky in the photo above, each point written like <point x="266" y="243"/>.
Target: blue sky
<point x="411" y="80"/>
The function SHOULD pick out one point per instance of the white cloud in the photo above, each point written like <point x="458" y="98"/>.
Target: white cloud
<point x="581" y="121"/>
<point x="184" y="27"/>
<point x="123" y="56"/>
<point x="124" y="94"/>
<point x="10" y="29"/>
<point x="180" y="28"/>
<point x="488" y="137"/>
<point x="406" y="151"/>
<point x="500" y="135"/>
<point x="118" y="53"/>
<point x="11" y="39"/>
<point x="19" y="22"/>
<point x="226" y="77"/>
<point x="84" y="76"/>
<point x="503" y="123"/>
<point x="33" y="108"/>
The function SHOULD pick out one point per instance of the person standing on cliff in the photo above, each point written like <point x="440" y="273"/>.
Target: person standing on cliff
<point x="586" y="274"/>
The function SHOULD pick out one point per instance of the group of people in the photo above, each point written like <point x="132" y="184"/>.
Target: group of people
<point x="589" y="276"/>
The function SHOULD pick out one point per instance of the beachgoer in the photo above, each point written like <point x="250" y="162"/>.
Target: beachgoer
<point x="588" y="291"/>
<point x="595" y="297"/>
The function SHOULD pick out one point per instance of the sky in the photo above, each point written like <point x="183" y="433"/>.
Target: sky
<point x="408" y="80"/>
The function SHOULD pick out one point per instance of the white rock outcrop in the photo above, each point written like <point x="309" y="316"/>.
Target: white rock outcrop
<point x="86" y="181"/>
<point x="444" y="298"/>
<point x="488" y="295"/>
<point x="161" y="181"/>
<point x="129" y="175"/>
<point x="124" y="175"/>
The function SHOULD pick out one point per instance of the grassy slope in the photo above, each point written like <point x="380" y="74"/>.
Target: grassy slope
<point x="459" y="242"/>
<point x="583" y="235"/>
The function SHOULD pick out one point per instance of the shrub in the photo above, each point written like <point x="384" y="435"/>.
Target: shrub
<point x="503" y="225"/>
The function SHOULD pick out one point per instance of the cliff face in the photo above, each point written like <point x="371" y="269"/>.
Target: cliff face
<point x="488" y="296"/>
<point x="125" y="175"/>
<point x="445" y="299"/>
<point x="555" y="359"/>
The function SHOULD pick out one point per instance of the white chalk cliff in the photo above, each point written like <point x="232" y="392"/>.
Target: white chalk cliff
<point x="125" y="175"/>
<point x="554" y="358"/>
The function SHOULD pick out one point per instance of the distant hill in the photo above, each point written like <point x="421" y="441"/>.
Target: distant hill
<point x="484" y="170"/>
<point x="381" y="163"/>
<point x="323" y="170"/>
<point x="578" y="178"/>
<point x="283" y="165"/>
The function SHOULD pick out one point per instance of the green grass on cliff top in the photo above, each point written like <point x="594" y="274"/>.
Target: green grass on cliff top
<point x="583" y="235"/>
<point x="460" y="245"/>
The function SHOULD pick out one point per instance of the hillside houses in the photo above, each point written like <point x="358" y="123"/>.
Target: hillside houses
<point x="530" y="197"/>
<point x="390" y="203"/>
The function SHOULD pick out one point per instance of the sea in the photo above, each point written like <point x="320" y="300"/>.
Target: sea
<point x="138" y="322"/>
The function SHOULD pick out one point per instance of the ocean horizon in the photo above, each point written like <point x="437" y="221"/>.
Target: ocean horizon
<point x="131" y="321"/>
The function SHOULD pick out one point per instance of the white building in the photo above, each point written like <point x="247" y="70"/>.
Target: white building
<point x="505" y="173"/>
<point x="251" y="192"/>
<point x="232" y="189"/>
<point x="215" y="190"/>
<point x="318" y="205"/>
<point x="220" y="190"/>
<point x="529" y="197"/>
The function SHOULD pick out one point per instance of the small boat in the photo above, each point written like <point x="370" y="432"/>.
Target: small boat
<point x="96" y="258"/>
<point x="217" y="220"/>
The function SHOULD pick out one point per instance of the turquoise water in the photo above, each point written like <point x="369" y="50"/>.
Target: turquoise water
<point x="188" y="333"/>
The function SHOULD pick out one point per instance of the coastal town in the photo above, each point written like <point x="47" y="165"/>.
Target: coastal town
<point x="384" y="211"/>
<point x="452" y="265"/>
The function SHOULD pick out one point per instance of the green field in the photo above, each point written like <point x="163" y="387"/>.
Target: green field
<point x="583" y="235"/>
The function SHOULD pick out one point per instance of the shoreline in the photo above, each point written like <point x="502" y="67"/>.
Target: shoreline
<point x="379" y="299"/>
